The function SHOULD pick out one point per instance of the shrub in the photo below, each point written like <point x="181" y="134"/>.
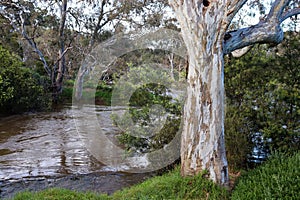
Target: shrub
<point x="278" y="178"/>
<point x="148" y="100"/>
<point x="263" y="98"/>
<point x="21" y="89"/>
<point x="237" y="138"/>
<point x="153" y="117"/>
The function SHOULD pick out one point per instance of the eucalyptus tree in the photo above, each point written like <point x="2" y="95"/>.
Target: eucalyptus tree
<point x="117" y="16"/>
<point x="26" y="18"/>
<point x="205" y="30"/>
<point x="56" y="29"/>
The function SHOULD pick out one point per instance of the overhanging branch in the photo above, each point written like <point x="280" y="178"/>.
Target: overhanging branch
<point x="260" y="33"/>
<point x="289" y="14"/>
<point x="277" y="9"/>
<point x="266" y="31"/>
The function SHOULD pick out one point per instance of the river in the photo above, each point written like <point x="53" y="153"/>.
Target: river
<point x="40" y="150"/>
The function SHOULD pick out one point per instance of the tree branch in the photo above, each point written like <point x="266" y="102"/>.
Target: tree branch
<point x="63" y="54"/>
<point x="98" y="25"/>
<point x="33" y="44"/>
<point x="277" y="9"/>
<point x="289" y="14"/>
<point x="266" y="31"/>
<point x="263" y="32"/>
<point x="233" y="7"/>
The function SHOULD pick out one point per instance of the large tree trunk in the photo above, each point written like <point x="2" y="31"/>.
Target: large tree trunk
<point x="203" y="27"/>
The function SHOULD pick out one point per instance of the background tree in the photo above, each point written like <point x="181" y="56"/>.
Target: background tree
<point x="56" y="30"/>
<point x="133" y="14"/>
<point x="20" y="88"/>
<point x="26" y="18"/>
<point x="204" y="24"/>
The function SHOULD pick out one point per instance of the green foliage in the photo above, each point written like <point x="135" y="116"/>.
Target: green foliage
<point x="103" y="93"/>
<point x="58" y="194"/>
<point x="8" y="38"/>
<point x="153" y="113"/>
<point x="20" y="88"/>
<point x="173" y="186"/>
<point x="263" y="96"/>
<point x="278" y="178"/>
<point x="238" y="138"/>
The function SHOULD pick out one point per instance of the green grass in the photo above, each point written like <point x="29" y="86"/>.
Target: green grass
<point x="173" y="186"/>
<point x="168" y="186"/>
<point x="59" y="194"/>
<point x="278" y="178"/>
<point x="102" y="94"/>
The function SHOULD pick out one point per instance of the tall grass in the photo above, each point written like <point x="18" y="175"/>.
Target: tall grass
<point x="173" y="186"/>
<point x="278" y="178"/>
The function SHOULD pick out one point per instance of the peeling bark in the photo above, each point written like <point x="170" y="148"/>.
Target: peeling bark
<point x="203" y="25"/>
<point x="202" y="145"/>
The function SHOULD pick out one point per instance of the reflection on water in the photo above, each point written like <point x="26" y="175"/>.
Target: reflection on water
<point x="44" y="150"/>
<point x="44" y="144"/>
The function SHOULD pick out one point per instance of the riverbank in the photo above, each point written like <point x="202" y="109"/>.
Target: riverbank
<point x="102" y="95"/>
<point x="278" y="178"/>
<point x="96" y="182"/>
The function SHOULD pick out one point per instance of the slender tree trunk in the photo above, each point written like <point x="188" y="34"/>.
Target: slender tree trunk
<point x="60" y="70"/>
<point x="203" y="144"/>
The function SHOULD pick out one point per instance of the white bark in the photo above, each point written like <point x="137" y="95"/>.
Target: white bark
<point x="203" y="25"/>
<point x="202" y="145"/>
<point x="60" y="71"/>
<point x="31" y="42"/>
<point x="266" y="31"/>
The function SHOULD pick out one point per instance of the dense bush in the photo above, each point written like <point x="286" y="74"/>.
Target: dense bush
<point x="153" y="117"/>
<point x="263" y="98"/>
<point x="21" y="89"/>
<point x="278" y="178"/>
<point x="238" y="138"/>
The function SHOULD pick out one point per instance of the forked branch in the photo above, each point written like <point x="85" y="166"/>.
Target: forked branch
<point x="266" y="31"/>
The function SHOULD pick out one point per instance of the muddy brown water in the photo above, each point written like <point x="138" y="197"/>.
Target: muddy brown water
<point x="41" y="150"/>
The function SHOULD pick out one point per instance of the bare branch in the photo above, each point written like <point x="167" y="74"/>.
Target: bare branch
<point x="63" y="54"/>
<point x="33" y="44"/>
<point x="289" y="14"/>
<point x="266" y="31"/>
<point x="98" y="25"/>
<point x="233" y="7"/>
<point x="277" y="9"/>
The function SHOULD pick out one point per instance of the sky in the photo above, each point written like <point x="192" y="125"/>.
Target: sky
<point x="245" y="17"/>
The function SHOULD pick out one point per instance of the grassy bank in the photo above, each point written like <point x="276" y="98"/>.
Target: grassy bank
<point x="168" y="186"/>
<point x="276" y="179"/>
<point x="279" y="178"/>
<point x="102" y="95"/>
